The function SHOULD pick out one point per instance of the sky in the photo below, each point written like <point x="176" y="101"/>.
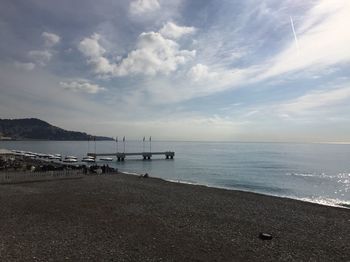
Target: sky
<point x="207" y="70"/>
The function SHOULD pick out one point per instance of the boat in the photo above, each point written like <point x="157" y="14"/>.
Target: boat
<point x="106" y="159"/>
<point x="55" y="157"/>
<point x="70" y="160"/>
<point x="71" y="157"/>
<point x="88" y="159"/>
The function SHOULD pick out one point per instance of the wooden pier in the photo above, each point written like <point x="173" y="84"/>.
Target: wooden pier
<point x="145" y="155"/>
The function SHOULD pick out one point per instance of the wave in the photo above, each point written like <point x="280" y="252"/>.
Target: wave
<point x="325" y="201"/>
<point x="277" y="192"/>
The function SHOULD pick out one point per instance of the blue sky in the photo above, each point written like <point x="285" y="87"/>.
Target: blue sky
<point x="181" y="70"/>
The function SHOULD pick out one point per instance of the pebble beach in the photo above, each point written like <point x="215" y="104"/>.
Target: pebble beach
<point x="126" y="218"/>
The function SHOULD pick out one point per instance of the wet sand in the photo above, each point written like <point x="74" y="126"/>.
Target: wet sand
<point x="126" y="218"/>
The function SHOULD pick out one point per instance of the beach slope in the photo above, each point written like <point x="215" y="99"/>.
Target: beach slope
<point x="126" y="218"/>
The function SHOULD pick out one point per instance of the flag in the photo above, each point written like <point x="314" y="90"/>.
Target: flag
<point x="143" y="139"/>
<point x="124" y="139"/>
<point x="116" y="139"/>
<point x="150" y="138"/>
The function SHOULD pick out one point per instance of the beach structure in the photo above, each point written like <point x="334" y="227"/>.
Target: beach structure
<point x="144" y="155"/>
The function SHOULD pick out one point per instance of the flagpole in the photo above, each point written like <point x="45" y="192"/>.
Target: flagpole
<point x="95" y="143"/>
<point x="150" y="144"/>
<point x="124" y="143"/>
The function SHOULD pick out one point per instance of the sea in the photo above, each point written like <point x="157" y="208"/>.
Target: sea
<point x="313" y="172"/>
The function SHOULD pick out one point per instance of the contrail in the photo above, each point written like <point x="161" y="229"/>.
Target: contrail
<point x="295" y="35"/>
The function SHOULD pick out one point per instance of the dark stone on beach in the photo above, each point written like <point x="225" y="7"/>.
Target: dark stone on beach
<point x="265" y="236"/>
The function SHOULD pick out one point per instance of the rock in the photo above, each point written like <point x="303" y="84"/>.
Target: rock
<point x="265" y="236"/>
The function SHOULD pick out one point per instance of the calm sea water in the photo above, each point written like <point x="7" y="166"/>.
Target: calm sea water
<point x="311" y="172"/>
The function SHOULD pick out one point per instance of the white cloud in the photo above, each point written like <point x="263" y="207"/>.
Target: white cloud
<point x="201" y="72"/>
<point x="40" y="57"/>
<point x="323" y="38"/>
<point x="83" y="86"/>
<point x="25" y="66"/>
<point x="316" y="100"/>
<point x="91" y="47"/>
<point x="50" y="39"/>
<point x="153" y="54"/>
<point x="171" y="30"/>
<point x="139" y="7"/>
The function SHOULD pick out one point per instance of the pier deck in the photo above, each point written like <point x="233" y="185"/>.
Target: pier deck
<point x="146" y="155"/>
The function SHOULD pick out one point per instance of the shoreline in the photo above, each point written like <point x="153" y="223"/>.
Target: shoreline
<point x="330" y="203"/>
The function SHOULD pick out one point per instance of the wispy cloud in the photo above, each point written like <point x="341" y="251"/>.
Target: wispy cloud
<point x="171" y="30"/>
<point x="83" y="86"/>
<point x="50" y="39"/>
<point x="139" y="7"/>
<point x="323" y="41"/>
<point x="25" y="66"/>
<point x="316" y="100"/>
<point x="40" y="57"/>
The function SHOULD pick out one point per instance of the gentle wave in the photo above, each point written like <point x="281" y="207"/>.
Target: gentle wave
<point x="314" y="200"/>
<point x="326" y="201"/>
<point x="321" y="175"/>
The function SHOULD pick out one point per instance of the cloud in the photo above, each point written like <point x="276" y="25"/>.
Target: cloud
<point x="323" y="40"/>
<point x="139" y="7"/>
<point x="91" y="47"/>
<point x="153" y="54"/>
<point x="50" y="39"/>
<point x="201" y="72"/>
<point x="173" y="31"/>
<point x="24" y="66"/>
<point x="93" y="51"/>
<point x="83" y="86"/>
<point x="40" y="57"/>
<point x="316" y="100"/>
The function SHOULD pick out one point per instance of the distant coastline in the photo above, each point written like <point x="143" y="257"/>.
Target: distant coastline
<point x="33" y="129"/>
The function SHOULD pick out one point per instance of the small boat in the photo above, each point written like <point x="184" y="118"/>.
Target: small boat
<point x="88" y="159"/>
<point x="55" y="157"/>
<point x="70" y="160"/>
<point x="71" y="157"/>
<point x="29" y="155"/>
<point x="106" y="159"/>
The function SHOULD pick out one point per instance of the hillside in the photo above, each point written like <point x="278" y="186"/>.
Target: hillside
<point x="32" y="128"/>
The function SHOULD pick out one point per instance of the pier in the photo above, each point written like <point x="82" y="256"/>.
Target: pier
<point x="144" y="155"/>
